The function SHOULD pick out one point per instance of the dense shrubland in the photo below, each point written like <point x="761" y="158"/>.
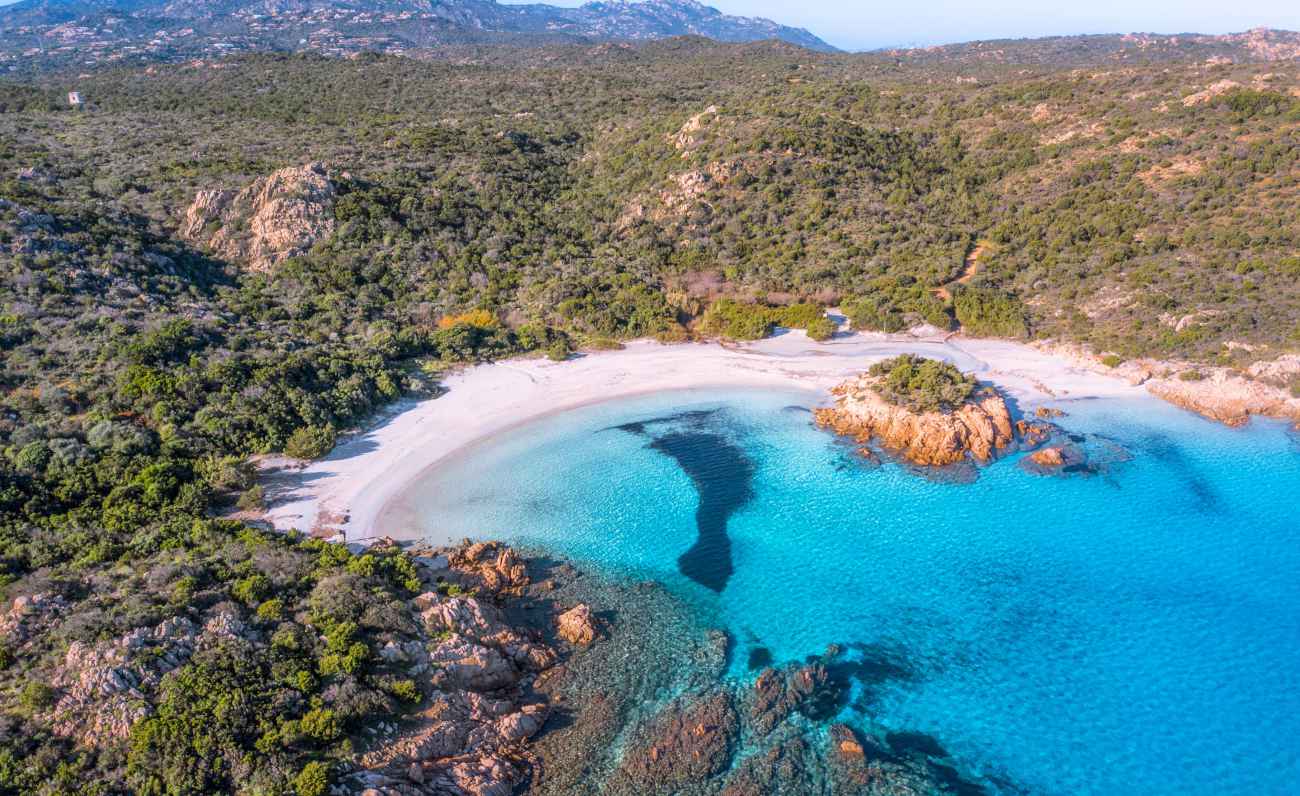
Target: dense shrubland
<point x="487" y="210"/>
<point x="922" y="385"/>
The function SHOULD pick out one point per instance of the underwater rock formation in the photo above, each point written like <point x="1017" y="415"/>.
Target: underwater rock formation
<point x="722" y="474"/>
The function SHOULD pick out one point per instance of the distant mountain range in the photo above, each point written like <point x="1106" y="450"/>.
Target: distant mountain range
<point x="36" y="34"/>
<point x="98" y="30"/>
<point x="1260" y="44"/>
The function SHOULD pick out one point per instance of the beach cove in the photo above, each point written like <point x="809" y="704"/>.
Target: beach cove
<point x="348" y="491"/>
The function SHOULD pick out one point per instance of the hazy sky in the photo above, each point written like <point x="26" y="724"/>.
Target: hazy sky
<point x="867" y="25"/>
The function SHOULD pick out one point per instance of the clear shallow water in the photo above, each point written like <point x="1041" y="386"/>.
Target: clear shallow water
<point x="1132" y="632"/>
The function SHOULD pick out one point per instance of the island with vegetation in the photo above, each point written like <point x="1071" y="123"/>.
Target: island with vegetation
<point x="927" y="412"/>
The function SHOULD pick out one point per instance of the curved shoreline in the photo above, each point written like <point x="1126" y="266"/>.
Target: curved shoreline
<point x="351" y="490"/>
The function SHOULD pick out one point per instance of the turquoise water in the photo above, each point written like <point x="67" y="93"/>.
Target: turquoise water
<point x="1132" y="631"/>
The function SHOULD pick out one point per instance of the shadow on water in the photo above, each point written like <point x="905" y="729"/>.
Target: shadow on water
<point x="1164" y="449"/>
<point x="722" y="475"/>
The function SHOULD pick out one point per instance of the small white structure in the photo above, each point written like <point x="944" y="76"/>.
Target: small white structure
<point x="74" y="98"/>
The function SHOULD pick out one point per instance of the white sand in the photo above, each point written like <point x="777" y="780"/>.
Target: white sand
<point x="350" y="489"/>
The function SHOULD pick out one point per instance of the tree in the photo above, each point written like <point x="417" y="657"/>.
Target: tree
<point x="310" y="442"/>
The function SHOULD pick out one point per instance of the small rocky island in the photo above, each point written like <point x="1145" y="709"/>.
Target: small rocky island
<point x="926" y="412"/>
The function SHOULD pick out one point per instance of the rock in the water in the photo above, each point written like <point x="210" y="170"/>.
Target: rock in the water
<point x="688" y="742"/>
<point x="577" y="626"/>
<point x="778" y="693"/>
<point x="1048" y="457"/>
<point x="978" y="430"/>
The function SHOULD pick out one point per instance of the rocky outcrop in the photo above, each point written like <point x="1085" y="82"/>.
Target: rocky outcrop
<point x="1224" y="394"/>
<point x="1226" y="397"/>
<point x="102" y="687"/>
<point x="29" y="616"/>
<point x="1048" y="457"/>
<point x="777" y="694"/>
<point x="478" y="667"/>
<point x="980" y="429"/>
<point x="577" y="626"/>
<point x="489" y="567"/>
<point x="276" y="217"/>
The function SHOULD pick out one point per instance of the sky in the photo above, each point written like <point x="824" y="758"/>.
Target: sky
<point x="920" y="23"/>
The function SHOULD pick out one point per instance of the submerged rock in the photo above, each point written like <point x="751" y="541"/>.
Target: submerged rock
<point x="1048" y="457"/>
<point x="690" y="741"/>
<point x="777" y="694"/>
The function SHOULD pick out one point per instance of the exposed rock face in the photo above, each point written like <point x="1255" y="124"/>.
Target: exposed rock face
<point x="1226" y="397"/>
<point x="1223" y="394"/>
<point x="471" y="737"/>
<point x="577" y="626"/>
<point x="28" y="616"/>
<point x="276" y="217"/>
<point x="102" y="687"/>
<point x="978" y="430"/>
<point x="1210" y="92"/>
<point x="490" y="567"/>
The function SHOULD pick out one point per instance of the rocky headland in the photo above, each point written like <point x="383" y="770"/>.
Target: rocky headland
<point x="1229" y="395"/>
<point x="527" y="670"/>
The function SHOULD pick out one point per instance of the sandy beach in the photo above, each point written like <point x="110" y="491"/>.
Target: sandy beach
<point x="347" y="492"/>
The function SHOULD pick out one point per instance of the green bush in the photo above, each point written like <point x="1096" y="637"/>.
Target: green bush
<point x="922" y="385"/>
<point x="821" y="329"/>
<point x="252" y="499"/>
<point x="321" y="725"/>
<point x="36" y="696"/>
<point x="735" y="320"/>
<point x="310" y="442"/>
<point x="559" y="350"/>
<point x="889" y="304"/>
<point x="313" y="780"/>
<point x="251" y="590"/>
<point x="271" y="610"/>
<point x="405" y="690"/>
<point x="1112" y="360"/>
<point x="988" y="312"/>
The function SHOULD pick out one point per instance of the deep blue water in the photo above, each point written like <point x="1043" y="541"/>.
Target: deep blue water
<point x="1132" y="631"/>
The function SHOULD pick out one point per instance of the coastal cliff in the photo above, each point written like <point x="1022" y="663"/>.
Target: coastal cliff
<point x="979" y="428"/>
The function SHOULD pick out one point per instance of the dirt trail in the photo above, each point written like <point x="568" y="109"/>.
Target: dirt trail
<point x="968" y="273"/>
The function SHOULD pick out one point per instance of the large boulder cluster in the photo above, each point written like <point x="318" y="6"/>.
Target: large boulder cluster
<point x="276" y="217"/>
